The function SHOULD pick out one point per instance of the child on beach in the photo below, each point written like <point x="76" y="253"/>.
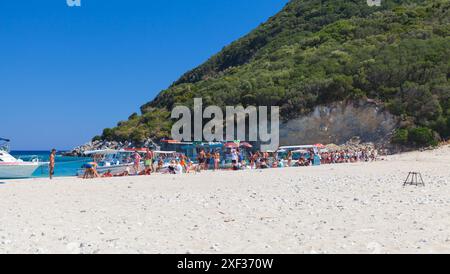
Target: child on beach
<point x="183" y="160"/>
<point x="160" y="165"/>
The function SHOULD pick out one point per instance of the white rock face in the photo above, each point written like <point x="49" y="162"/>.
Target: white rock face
<point x="339" y="122"/>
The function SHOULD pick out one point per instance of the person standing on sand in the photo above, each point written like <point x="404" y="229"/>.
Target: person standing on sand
<point x="137" y="162"/>
<point x="183" y="160"/>
<point x="51" y="165"/>
<point x="216" y="160"/>
<point x="201" y="159"/>
<point x="148" y="162"/>
<point x="289" y="158"/>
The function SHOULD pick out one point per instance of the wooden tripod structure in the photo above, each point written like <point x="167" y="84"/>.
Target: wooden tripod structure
<point x="414" y="179"/>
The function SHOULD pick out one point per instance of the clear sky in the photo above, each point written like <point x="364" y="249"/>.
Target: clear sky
<point x="67" y="73"/>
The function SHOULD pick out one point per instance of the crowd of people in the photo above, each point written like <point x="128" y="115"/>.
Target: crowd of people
<point x="233" y="159"/>
<point x="349" y="156"/>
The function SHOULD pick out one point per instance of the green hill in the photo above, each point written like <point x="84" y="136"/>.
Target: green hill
<point x="318" y="52"/>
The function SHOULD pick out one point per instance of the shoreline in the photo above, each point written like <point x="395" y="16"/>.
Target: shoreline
<point x="339" y="208"/>
<point x="381" y="158"/>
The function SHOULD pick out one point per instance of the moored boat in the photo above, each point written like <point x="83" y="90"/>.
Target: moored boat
<point x="12" y="168"/>
<point x="110" y="160"/>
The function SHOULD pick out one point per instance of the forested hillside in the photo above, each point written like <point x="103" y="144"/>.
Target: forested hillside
<point x="318" y="52"/>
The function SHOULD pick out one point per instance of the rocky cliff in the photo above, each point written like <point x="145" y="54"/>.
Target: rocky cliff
<point x="339" y="122"/>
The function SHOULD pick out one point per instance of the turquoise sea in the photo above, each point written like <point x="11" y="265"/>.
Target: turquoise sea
<point x="65" y="166"/>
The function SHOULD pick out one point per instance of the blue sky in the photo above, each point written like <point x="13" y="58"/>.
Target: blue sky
<point x="67" y="73"/>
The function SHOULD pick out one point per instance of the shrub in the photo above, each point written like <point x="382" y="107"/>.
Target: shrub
<point x="97" y="138"/>
<point x="138" y="136"/>
<point x="422" y="136"/>
<point x="400" y="137"/>
<point x="108" y="134"/>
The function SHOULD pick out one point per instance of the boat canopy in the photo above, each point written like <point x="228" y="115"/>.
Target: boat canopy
<point x="164" y="152"/>
<point x="175" y="142"/>
<point x="300" y="151"/>
<point x="135" y="149"/>
<point x="4" y="144"/>
<point x="101" y="152"/>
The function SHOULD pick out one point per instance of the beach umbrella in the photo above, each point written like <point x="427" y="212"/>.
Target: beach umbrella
<point x="246" y="145"/>
<point x="231" y="145"/>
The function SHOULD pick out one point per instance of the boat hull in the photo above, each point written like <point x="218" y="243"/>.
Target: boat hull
<point x="17" y="170"/>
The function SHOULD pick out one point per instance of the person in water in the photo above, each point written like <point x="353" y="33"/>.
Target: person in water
<point x="51" y="165"/>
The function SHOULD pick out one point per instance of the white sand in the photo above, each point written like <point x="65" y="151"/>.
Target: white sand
<point x="346" y="208"/>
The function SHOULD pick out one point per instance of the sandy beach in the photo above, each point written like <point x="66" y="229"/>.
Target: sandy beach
<point x="341" y="208"/>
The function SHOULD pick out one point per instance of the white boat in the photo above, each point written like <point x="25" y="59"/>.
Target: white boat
<point x="12" y="168"/>
<point x="120" y="161"/>
<point x="114" y="161"/>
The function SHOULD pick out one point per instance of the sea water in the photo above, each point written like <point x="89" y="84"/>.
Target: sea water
<point x="64" y="166"/>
